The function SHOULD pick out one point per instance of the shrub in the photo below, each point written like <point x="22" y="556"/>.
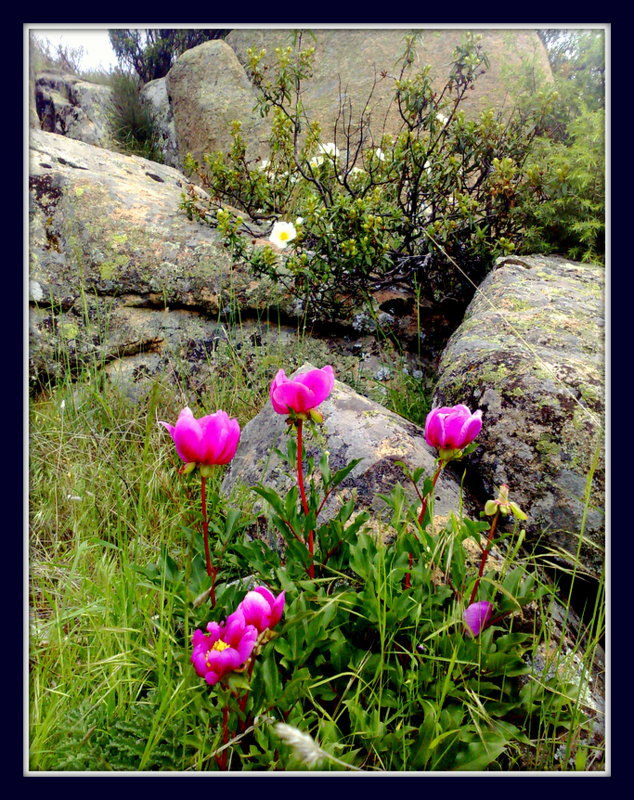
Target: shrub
<point x="561" y="206"/>
<point x="377" y="211"/>
<point x="568" y="181"/>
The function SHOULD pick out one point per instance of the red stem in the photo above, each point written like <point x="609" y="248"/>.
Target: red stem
<point x="484" y="556"/>
<point x="433" y="486"/>
<point x="421" y="515"/>
<point x="300" y="480"/>
<point x="210" y="569"/>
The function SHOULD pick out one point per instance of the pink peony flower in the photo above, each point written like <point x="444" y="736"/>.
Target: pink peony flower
<point x="302" y="393"/>
<point x="209" y="440"/>
<point x="452" y="428"/>
<point x="224" y="648"/>
<point x="261" y="608"/>
<point x="477" y="615"/>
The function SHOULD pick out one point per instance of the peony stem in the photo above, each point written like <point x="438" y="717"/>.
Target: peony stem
<point x="485" y="554"/>
<point x="421" y="515"/>
<point x="300" y="481"/>
<point x="210" y="570"/>
<point x="433" y="486"/>
<point x="407" y="574"/>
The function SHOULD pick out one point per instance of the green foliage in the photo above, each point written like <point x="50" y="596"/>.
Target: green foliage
<point x="377" y="212"/>
<point x="386" y="677"/>
<point x="560" y="205"/>
<point x="131" y="122"/>
<point x="151" y="52"/>
<point x="569" y="182"/>
<point x="90" y="738"/>
<point x="577" y="59"/>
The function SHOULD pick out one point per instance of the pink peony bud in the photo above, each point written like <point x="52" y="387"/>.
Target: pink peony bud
<point x="224" y="648"/>
<point x="209" y="440"/>
<point x="452" y="428"/>
<point x="477" y="615"/>
<point x="262" y="609"/>
<point x="302" y="393"/>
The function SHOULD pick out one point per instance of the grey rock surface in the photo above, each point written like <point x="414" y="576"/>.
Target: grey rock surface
<point x="354" y="427"/>
<point x="360" y="63"/>
<point x="155" y="98"/>
<point x="71" y="107"/>
<point x="208" y="90"/>
<point x="530" y="354"/>
<point x="106" y="232"/>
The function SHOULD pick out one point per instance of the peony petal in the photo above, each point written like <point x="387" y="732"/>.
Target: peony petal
<point x="188" y="438"/>
<point x="453" y="430"/>
<point x="221" y="661"/>
<point x="276" y="610"/>
<point x="215" y="631"/>
<point x="471" y="428"/>
<point x="256" y="610"/>
<point x="169" y="427"/>
<point x="320" y="382"/>
<point x="477" y="615"/>
<point x="212" y="677"/>
<point x="215" y="440"/>
<point x="268" y="596"/>
<point x="294" y="396"/>
<point x="435" y="430"/>
<point x="278" y="380"/>
<point x="199" y="660"/>
<point x="247" y="643"/>
<point x="231" y="442"/>
<point x="234" y="629"/>
<point x="172" y="431"/>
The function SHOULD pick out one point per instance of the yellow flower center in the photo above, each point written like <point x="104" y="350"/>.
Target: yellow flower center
<point x="220" y="646"/>
<point x="284" y="236"/>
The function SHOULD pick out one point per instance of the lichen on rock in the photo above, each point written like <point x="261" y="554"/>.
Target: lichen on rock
<point x="530" y="354"/>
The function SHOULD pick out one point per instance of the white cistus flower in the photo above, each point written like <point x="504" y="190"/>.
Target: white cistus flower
<point x="316" y="161"/>
<point x="264" y="163"/>
<point x="379" y="154"/>
<point x="282" y="233"/>
<point x="329" y="149"/>
<point x="299" y="221"/>
<point x="304" y="747"/>
<point x="441" y="118"/>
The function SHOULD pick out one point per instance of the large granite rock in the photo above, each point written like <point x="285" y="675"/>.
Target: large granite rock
<point x="209" y="89"/>
<point x="354" y="427"/>
<point x="530" y="354"/>
<point x="351" y="61"/>
<point x="155" y="98"/>
<point x="69" y="106"/>
<point x="106" y="232"/>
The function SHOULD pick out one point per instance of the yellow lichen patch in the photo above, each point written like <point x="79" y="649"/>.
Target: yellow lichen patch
<point x="390" y="447"/>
